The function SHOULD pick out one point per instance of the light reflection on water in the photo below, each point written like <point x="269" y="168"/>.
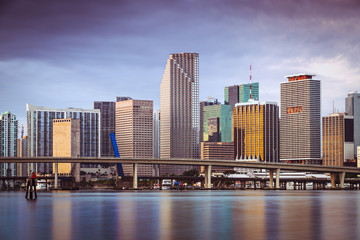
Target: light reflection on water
<point x="171" y="215"/>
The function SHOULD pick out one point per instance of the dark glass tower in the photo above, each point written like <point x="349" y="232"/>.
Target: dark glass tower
<point x="107" y="126"/>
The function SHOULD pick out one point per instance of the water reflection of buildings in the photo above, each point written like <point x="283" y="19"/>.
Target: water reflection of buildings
<point x="295" y="216"/>
<point x="126" y="221"/>
<point x="62" y="218"/>
<point x="338" y="218"/>
<point x="165" y="225"/>
<point x="252" y="218"/>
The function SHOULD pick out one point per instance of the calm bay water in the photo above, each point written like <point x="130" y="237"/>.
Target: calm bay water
<point x="181" y="215"/>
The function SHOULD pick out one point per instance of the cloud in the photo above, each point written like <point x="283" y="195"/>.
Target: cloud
<point x="337" y="74"/>
<point x="95" y="50"/>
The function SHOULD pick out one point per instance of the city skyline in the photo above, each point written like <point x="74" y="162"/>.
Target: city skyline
<point x="72" y="54"/>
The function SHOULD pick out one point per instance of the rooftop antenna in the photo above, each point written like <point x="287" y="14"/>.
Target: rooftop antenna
<point x="333" y="106"/>
<point x="250" y="81"/>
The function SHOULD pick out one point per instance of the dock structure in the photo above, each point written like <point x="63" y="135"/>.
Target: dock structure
<point x="31" y="188"/>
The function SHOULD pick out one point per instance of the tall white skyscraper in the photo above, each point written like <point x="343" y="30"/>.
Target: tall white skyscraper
<point x="8" y="142"/>
<point x="179" y="109"/>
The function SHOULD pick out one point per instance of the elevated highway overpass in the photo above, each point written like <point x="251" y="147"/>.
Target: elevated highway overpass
<point x="274" y="168"/>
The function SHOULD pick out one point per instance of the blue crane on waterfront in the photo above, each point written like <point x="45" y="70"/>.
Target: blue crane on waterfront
<point x="116" y="151"/>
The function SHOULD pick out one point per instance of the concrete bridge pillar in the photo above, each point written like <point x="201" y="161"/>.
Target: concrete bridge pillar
<point x="208" y="176"/>
<point x="332" y="178"/>
<point x="277" y="181"/>
<point x="342" y="179"/>
<point x="271" y="177"/>
<point x="56" y="176"/>
<point x="135" y="180"/>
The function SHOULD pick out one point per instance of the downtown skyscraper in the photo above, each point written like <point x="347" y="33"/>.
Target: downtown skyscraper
<point x="8" y="142"/>
<point x="240" y="93"/>
<point x="352" y="108"/>
<point x="338" y="140"/>
<point x="134" y="133"/>
<point x="179" y="109"/>
<point x="40" y="132"/>
<point x="256" y="131"/>
<point x="107" y="126"/>
<point x="300" y="122"/>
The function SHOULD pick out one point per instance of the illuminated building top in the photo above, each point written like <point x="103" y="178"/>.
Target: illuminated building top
<point x="297" y="77"/>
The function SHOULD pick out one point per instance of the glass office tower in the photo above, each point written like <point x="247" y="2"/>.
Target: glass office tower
<point x="256" y="131"/>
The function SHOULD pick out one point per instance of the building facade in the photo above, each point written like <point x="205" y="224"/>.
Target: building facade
<point x="66" y="143"/>
<point x="256" y="131"/>
<point x="244" y="92"/>
<point x="217" y="123"/>
<point x="156" y="133"/>
<point x="107" y="126"/>
<point x="231" y="95"/>
<point x="338" y="140"/>
<point x="8" y="142"/>
<point x="217" y="151"/>
<point x="134" y="133"/>
<point x="300" y="124"/>
<point x="207" y="102"/>
<point x="352" y="108"/>
<point x="240" y="93"/>
<point x="40" y="132"/>
<point x="358" y="156"/>
<point x="22" y="150"/>
<point x="179" y="109"/>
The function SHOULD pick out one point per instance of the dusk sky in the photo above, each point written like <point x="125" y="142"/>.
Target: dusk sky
<point x="63" y="54"/>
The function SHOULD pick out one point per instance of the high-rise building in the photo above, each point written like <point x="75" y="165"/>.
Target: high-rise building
<point x="179" y="109"/>
<point x="244" y="92"/>
<point x="40" y="132"/>
<point x="300" y="120"/>
<point x="256" y="131"/>
<point x="338" y="140"/>
<point x="217" y="151"/>
<point x="156" y="133"/>
<point x="22" y="149"/>
<point x="107" y="126"/>
<point x="134" y="133"/>
<point x="352" y="108"/>
<point x="231" y="95"/>
<point x="66" y="143"/>
<point x="122" y="98"/>
<point x="156" y="140"/>
<point x="240" y="93"/>
<point x="207" y="102"/>
<point x="220" y="115"/>
<point x="8" y="142"/>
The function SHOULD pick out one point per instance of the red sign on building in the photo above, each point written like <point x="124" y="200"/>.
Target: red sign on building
<point x="291" y="110"/>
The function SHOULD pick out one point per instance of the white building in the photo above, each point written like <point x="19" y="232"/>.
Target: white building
<point x="8" y="142"/>
<point x="40" y="130"/>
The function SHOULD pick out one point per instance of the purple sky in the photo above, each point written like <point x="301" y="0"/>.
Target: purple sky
<point x="70" y="53"/>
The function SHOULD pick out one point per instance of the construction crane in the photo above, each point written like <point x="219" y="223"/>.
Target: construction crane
<point x="120" y="170"/>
